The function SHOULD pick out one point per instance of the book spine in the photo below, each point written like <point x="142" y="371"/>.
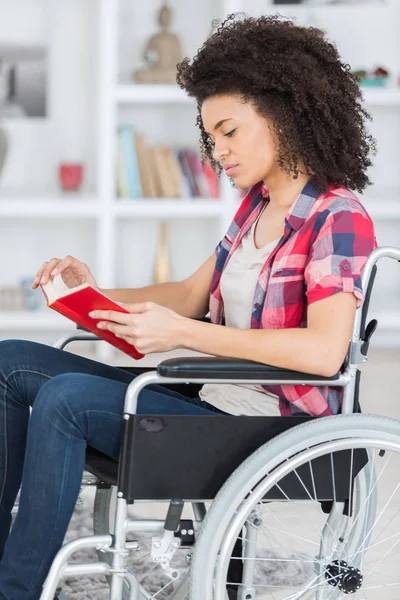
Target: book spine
<point x="191" y="166"/>
<point x="213" y="183"/>
<point x="122" y="184"/>
<point x="187" y="173"/>
<point x="197" y="169"/>
<point x="131" y="162"/>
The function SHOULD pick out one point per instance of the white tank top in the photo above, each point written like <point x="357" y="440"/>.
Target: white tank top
<point x="238" y="284"/>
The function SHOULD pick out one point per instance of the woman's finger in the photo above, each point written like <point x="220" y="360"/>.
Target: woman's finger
<point x="42" y="271"/>
<point x="62" y="265"/>
<point x="49" y="266"/>
<point x="119" y="330"/>
<point x="111" y="315"/>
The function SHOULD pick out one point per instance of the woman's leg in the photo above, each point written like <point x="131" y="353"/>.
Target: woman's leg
<point x="24" y="368"/>
<point x="69" y="410"/>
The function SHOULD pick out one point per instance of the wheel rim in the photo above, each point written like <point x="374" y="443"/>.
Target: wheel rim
<point x="315" y="572"/>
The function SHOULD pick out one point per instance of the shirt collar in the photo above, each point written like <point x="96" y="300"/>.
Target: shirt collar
<point x="301" y="207"/>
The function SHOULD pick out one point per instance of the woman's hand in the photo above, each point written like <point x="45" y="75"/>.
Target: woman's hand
<point x="149" y="327"/>
<point x="73" y="272"/>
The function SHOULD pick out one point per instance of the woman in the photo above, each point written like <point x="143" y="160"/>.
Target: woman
<point x="281" y="113"/>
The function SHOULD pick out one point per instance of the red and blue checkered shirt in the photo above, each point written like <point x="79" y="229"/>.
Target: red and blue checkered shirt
<point x="326" y="242"/>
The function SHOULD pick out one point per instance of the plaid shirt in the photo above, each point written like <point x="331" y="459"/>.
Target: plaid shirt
<point x="326" y="242"/>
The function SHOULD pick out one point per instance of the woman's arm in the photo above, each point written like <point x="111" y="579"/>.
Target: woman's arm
<point x="320" y="348"/>
<point x="189" y="298"/>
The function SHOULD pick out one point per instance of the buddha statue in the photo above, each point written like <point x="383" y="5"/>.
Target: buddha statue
<point x="162" y="53"/>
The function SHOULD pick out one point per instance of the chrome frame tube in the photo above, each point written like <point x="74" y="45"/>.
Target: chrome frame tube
<point x="60" y="561"/>
<point x="119" y="554"/>
<point x="75" y="336"/>
<point x="374" y="257"/>
<point x="150" y="377"/>
<point x="246" y="590"/>
<point x="152" y="526"/>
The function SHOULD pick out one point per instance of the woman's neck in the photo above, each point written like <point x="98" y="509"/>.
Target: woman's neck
<point x="284" y="190"/>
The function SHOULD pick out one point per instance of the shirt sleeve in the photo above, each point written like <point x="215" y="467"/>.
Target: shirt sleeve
<point x="338" y="256"/>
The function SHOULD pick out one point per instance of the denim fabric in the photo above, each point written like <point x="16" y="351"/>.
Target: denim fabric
<point x="75" y="402"/>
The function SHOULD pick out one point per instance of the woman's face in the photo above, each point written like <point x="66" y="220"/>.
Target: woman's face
<point x="243" y="140"/>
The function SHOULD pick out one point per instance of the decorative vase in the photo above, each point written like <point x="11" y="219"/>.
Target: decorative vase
<point x="162" y="270"/>
<point x="70" y="176"/>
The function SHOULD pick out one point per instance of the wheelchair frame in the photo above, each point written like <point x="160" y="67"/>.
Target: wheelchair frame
<point x="200" y="371"/>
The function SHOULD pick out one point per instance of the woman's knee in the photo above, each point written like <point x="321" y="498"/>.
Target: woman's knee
<point x="60" y="399"/>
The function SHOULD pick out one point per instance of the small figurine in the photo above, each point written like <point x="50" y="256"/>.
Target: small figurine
<point x="162" y="54"/>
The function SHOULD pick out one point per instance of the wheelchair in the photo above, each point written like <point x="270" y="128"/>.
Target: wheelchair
<point x="281" y="508"/>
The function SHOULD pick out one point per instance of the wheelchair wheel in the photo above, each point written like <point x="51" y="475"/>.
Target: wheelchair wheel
<point x="154" y="583"/>
<point x="290" y="549"/>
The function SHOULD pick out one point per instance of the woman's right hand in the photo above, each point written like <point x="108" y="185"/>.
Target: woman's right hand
<point x="73" y="272"/>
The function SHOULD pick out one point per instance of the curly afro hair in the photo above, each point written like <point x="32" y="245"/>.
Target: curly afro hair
<point x="295" y="78"/>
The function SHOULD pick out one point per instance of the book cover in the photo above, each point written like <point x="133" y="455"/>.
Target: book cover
<point x="76" y="304"/>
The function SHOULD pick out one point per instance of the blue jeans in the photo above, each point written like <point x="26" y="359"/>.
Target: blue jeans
<point x="75" y="402"/>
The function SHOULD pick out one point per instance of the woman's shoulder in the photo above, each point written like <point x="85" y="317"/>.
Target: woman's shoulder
<point x="337" y="200"/>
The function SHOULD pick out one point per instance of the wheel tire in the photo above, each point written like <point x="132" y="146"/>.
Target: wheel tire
<point x="262" y="462"/>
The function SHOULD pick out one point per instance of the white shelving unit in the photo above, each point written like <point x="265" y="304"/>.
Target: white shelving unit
<point x="107" y="214"/>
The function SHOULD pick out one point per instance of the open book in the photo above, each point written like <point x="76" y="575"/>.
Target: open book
<point x="76" y="304"/>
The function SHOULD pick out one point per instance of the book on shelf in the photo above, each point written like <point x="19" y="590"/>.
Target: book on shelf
<point x="146" y="168"/>
<point x="76" y="303"/>
<point x="144" y="171"/>
<point x="129" y="159"/>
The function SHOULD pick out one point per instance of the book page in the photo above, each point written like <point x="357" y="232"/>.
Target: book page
<point x="56" y="288"/>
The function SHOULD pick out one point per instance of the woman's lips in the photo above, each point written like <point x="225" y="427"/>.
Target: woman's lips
<point x="230" y="170"/>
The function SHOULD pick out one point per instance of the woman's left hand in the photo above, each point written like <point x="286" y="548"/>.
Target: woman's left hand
<point x="149" y="327"/>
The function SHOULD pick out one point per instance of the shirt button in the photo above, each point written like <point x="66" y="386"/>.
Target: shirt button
<point x="346" y="267"/>
<point x="257" y="305"/>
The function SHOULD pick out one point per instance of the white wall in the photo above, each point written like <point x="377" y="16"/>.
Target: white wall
<point x="37" y="146"/>
<point x="365" y="37"/>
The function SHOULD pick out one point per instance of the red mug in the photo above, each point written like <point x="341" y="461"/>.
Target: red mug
<point x="71" y="175"/>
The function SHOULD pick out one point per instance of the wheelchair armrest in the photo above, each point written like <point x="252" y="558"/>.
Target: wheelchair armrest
<point x="230" y="368"/>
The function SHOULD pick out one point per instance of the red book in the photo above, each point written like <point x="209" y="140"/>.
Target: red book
<point x="76" y="304"/>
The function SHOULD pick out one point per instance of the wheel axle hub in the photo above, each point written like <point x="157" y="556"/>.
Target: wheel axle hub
<point x="348" y="579"/>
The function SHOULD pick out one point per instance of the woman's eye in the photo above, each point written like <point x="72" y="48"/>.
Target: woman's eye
<point x="230" y="133"/>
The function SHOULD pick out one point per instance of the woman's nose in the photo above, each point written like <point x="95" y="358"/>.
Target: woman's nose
<point x="219" y="153"/>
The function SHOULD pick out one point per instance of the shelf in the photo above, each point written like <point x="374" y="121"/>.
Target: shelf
<point x="160" y="208"/>
<point x="34" y="321"/>
<point x="381" y="96"/>
<point x="151" y="94"/>
<point x="48" y="207"/>
<point x="171" y="93"/>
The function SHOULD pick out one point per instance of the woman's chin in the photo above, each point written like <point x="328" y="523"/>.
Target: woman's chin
<point x="241" y="183"/>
